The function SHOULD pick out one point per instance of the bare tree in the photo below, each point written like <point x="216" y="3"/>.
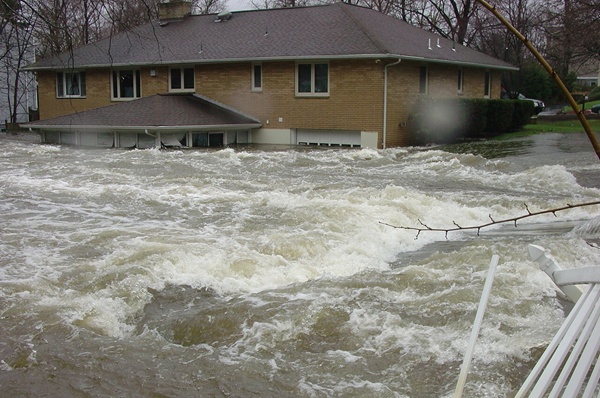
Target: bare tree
<point x="50" y="27"/>
<point x="63" y="25"/>
<point x="455" y="17"/>
<point x="448" y="18"/>
<point x="264" y="4"/>
<point x="571" y="28"/>
<point x="17" y="51"/>
<point x="123" y="15"/>
<point x="209" y="6"/>
<point x="492" y="38"/>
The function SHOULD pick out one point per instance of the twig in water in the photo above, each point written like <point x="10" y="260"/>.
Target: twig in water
<point x="457" y="227"/>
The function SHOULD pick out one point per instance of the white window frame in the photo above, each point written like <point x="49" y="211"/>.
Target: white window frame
<point x="487" y="84"/>
<point x="181" y="70"/>
<point x="137" y="74"/>
<point x="257" y="88"/>
<point x="461" y="80"/>
<point x="81" y="85"/>
<point x="312" y="92"/>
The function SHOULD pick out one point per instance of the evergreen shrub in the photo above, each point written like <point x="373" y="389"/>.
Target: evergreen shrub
<point x="523" y="110"/>
<point x="499" y="116"/>
<point x="475" y="115"/>
<point x="449" y="120"/>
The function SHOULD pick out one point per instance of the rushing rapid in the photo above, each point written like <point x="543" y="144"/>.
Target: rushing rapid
<point x="274" y="271"/>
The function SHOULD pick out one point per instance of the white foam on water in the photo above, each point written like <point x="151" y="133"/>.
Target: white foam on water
<point x="239" y="222"/>
<point x="589" y="229"/>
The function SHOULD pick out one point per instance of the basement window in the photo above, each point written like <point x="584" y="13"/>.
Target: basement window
<point x="70" y="84"/>
<point x="312" y="79"/>
<point x="182" y="79"/>
<point x="126" y="84"/>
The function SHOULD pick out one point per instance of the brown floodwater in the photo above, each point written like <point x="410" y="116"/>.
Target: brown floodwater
<point x="267" y="271"/>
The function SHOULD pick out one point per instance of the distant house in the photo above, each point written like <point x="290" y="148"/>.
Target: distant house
<point x="327" y="75"/>
<point x="589" y="80"/>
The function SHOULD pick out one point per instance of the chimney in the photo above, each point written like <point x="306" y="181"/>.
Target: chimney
<point x="174" y="10"/>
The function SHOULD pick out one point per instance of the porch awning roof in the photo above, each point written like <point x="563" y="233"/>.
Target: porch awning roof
<point x="166" y="112"/>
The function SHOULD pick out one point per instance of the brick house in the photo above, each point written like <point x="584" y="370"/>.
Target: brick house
<point x="335" y="74"/>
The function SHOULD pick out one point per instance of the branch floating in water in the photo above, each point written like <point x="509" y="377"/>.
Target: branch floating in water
<point x="457" y="227"/>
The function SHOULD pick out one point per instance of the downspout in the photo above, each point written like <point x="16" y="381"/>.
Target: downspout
<point x="156" y="137"/>
<point x="385" y="75"/>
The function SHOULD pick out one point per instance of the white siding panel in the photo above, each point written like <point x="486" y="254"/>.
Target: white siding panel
<point x="328" y="137"/>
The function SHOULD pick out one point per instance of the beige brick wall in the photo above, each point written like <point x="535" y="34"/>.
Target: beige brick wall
<point x="355" y="101"/>
<point x="97" y="94"/>
<point x="158" y="84"/>
<point x="98" y="86"/>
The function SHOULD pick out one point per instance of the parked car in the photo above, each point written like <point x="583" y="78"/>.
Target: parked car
<point x="539" y="105"/>
<point x="596" y="109"/>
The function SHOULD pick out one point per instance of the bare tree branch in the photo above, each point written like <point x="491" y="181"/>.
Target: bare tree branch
<point x="514" y="220"/>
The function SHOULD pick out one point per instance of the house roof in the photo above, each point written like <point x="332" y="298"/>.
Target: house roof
<point x="330" y="31"/>
<point x="590" y="76"/>
<point x="161" y="111"/>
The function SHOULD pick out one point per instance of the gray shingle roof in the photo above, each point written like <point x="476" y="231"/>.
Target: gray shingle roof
<point x="178" y="111"/>
<point x="321" y="32"/>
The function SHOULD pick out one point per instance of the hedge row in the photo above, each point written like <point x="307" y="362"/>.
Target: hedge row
<point x="443" y="121"/>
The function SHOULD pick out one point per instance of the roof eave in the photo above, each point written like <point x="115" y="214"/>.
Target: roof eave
<point x="459" y="63"/>
<point x="207" y="61"/>
<point x="279" y="58"/>
<point x="96" y="128"/>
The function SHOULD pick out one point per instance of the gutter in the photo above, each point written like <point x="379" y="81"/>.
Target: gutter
<point x="385" y="90"/>
<point x="266" y="59"/>
<point x="145" y="129"/>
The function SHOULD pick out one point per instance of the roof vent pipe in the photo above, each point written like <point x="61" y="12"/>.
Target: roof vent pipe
<point x="224" y="16"/>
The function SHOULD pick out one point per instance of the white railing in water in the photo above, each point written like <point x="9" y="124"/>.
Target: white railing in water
<point x="565" y="367"/>
<point x="569" y="367"/>
<point x="487" y="288"/>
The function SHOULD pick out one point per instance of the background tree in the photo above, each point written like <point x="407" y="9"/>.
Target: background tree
<point x="124" y="15"/>
<point x="265" y="4"/>
<point x="16" y="87"/>
<point x="559" y="28"/>
<point x="535" y="83"/>
<point x="49" y="27"/>
<point x="491" y="37"/>
<point x="209" y="6"/>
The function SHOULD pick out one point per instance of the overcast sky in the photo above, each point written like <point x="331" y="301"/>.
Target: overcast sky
<point x="236" y="5"/>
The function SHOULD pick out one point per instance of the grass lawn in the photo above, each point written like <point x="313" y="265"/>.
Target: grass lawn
<point x="566" y="126"/>
<point x="588" y="105"/>
<point x="545" y="126"/>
